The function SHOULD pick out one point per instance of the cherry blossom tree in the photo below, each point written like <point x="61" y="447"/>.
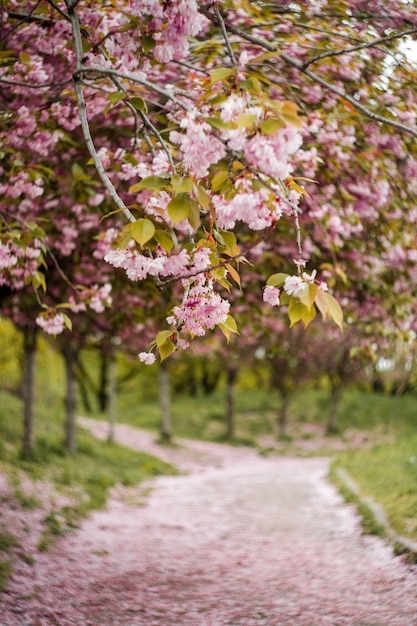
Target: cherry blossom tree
<point x="222" y="133"/>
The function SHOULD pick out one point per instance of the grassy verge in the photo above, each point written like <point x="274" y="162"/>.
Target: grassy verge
<point x="387" y="472"/>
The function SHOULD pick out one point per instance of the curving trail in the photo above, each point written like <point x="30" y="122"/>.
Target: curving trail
<point x="240" y="540"/>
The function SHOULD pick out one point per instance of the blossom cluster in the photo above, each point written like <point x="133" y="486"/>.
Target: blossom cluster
<point x="201" y="309"/>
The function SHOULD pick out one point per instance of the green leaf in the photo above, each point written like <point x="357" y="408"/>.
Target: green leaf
<point x="228" y="327"/>
<point x="252" y="83"/>
<point x="308" y="294"/>
<point x="334" y="310"/>
<point x="138" y="103"/>
<point x="296" y="311"/>
<point x="221" y="73"/>
<point x="164" y="240"/>
<point x="229" y="239"/>
<point x="245" y="120"/>
<point x="180" y="206"/>
<point x="194" y="216"/>
<point x="148" y="43"/>
<point x="202" y="196"/>
<point x="289" y="112"/>
<point x="270" y="126"/>
<point x="181" y="185"/>
<point x="162" y="337"/>
<point x="142" y="230"/>
<point x="67" y="321"/>
<point x="166" y="349"/>
<point x="150" y="182"/>
<point x="116" y="96"/>
<point x="276" y="280"/>
<point x="322" y="303"/>
<point x="219" y="180"/>
<point x="230" y="323"/>
<point x="25" y="58"/>
<point x="309" y="316"/>
<point x="39" y="280"/>
<point x="217" y="122"/>
<point x="264" y="57"/>
<point x="78" y="173"/>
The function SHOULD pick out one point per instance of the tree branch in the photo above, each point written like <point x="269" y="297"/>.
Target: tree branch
<point x="371" y="44"/>
<point x="225" y="35"/>
<point x="314" y="77"/>
<point x="107" y="71"/>
<point x="34" y="86"/>
<point x="60" y="11"/>
<point x="82" y="108"/>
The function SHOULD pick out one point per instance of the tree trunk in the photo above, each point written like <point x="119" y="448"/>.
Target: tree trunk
<point x="102" y="395"/>
<point x="70" y="356"/>
<point x="112" y="396"/>
<point x="84" y="394"/>
<point x="164" y="402"/>
<point x="29" y="369"/>
<point x="230" y="402"/>
<point x="283" y="415"/>
<point x="335" y="396"/>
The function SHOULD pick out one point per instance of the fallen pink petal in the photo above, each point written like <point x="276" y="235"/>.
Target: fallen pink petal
<point x="237" y="540"/>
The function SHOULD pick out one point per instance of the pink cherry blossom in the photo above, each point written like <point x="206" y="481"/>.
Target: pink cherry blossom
<point x="201" y="309"/>
<point x="293" y="285"/>
<point x="54" y="325"/>
<point x="147" y="357"/>
<point x="271" y="295"/>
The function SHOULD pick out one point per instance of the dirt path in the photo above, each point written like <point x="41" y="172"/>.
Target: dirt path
<point x="241" y="540"/>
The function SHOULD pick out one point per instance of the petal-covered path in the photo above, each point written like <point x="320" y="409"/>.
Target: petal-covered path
<point x="240" y="540"/>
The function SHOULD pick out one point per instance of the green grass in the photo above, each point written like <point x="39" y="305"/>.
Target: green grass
<point x="7" y="543"/>
<point x="387" y="472"/>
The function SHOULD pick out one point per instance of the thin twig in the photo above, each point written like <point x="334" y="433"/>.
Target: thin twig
<point x="370" y="44"/>
<point x="225" y="35"/>
<point x="146" y="121"/>
<point x="19" y="83"/>
<point x="60" y="11"/>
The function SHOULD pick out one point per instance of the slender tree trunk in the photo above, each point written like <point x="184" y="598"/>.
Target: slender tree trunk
<point x="70" y="356"/>
<point x="112" y="396"/>
<point x="84" y="393"/>
<point x="102" y="395"/>
<point x="335" y="397"/>
<point x="230" y="402"/>
<point x="164" y="401"/>
<point x="283" y="415"/>
<point x="29" y="369"/>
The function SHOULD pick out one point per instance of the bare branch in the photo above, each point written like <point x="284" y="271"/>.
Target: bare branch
<point x="225" y="35"/>
<point x="60" y="11"/>
<point x="370" y="44"/>
<point x="315" y="77"/>
<point x="107" y="71"/>
<point x="345" y="96"/>
<point x="146" y="121"/>
<point x="84" y="121"/>
<point x="34" y="85"/>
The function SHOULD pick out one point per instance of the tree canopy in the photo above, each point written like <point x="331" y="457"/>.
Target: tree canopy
<point x="204" y="150"/>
